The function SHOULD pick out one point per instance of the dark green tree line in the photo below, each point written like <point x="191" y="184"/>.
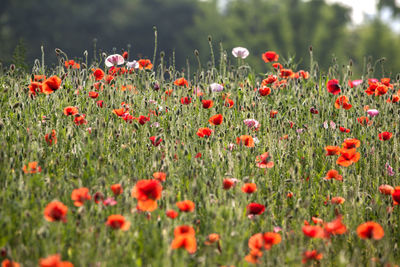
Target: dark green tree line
<point x="286" y="26"/>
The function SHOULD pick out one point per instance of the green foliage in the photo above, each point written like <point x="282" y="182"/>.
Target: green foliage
<point x="108" y="150"/>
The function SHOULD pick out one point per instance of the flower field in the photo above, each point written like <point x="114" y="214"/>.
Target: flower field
<point x="123" y="162"/>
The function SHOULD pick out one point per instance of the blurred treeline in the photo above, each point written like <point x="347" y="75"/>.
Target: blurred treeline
<point x="288" y="27"/>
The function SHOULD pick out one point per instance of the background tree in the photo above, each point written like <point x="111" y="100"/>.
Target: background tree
<point x="288" y="27"/>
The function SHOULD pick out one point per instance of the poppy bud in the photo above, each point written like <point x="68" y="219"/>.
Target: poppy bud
<point x="162" y="54"/>
<point x="209" y="38"/>
<point x="310" y="48"/>
<point x="196" y="52"/>
<point x="12" y="67"/>
<point x="3" y="252"/>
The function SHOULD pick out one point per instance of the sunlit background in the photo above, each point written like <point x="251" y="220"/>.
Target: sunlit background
<point x="338" y="30"/>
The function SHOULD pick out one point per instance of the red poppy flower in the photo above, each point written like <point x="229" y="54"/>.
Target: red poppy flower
<point x="38" y="78"/>
<point x="143" y="119"/>
<point x="181" y="82"/>
<point x="385" y="136"/>
<point x="338" y="200"/>
<point x="51" y="138"/>
<point x="310" y="256"/>
<point x="313" y="110"/>
<point x="80" y="195"/>
<point x="145" y="64"/>
<point x="80" y="119"/>
<point x="349" y="143"/>
<point x="344" y="130"/>
<point x="364" y="121"/>
<point x="160" y="176"/>
<point x="119" y="112"/>
<point x="70" y="111"/>
<point x="263" y="241"/>
<point x="270" y="56"/>
<point x="216" y="119"/>
<point x="51" y="84"/>
<point x="99" y="86"/>
<point x="255" y="209"/>
<point x="8" y="263"/>
<point x="332" y="150"/>
<point x="303" y="74"/>
<point x="147" y="192"/>
<point x="93" y="94"/>
<point x="386" y="189"/>
<point x="245" y="140"/>
<point x="273" y="113"/>
<point x="100" y="103"/>
<point x="171" y="214"/>
<point x="35" y="87"/>
<point x="381" y="90"/>
<point x="69" y="63"/>
<point x="185" y="206"/>
<point x="229" y="103"/>
<point x="370" y="230"/>
<point x="54" y="261"/>
<point x="287" y="73"/>
<point x="169" y="92"/>
<point x="333" y="87"/>
<point x="32" y="167"/>
<point x="98" y="197"/>
<point x="55" y="211"/>
<point x="117" y="189"/>
<point x="269" y="80"/>
<point x="198" y="155"/>
<point x="156" y="141"/>
<point x="333" y="174"/>
<point x="109" y="78"/>
<point x="117" y="221"/>
<point x="335" y="227"/>
<point x="313" y="231"/>
<point x="183" y="230"/>
<point x="186" y="241"/>
<point x="342" y="102"/>
<point x="228" y="183"/>
<point x="98" y="74"/>
<point x="263" y="161"/>
<point x="396" y="195"/>
<point x="211" y="239"/>
<point x="204" y="132"/>
<point x="207" y="103"/>
<point x="186" y="100"/>
<point x="348" y="157"/>
<point x="249" y="188"/>
<point x="254" y="257"/>
<point x="264" y="91"/>
<point x="125" y="55"/>
<point x="277" y="66"/>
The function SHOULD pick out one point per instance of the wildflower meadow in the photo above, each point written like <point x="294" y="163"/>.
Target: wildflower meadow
<point x="122" y="161"/>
